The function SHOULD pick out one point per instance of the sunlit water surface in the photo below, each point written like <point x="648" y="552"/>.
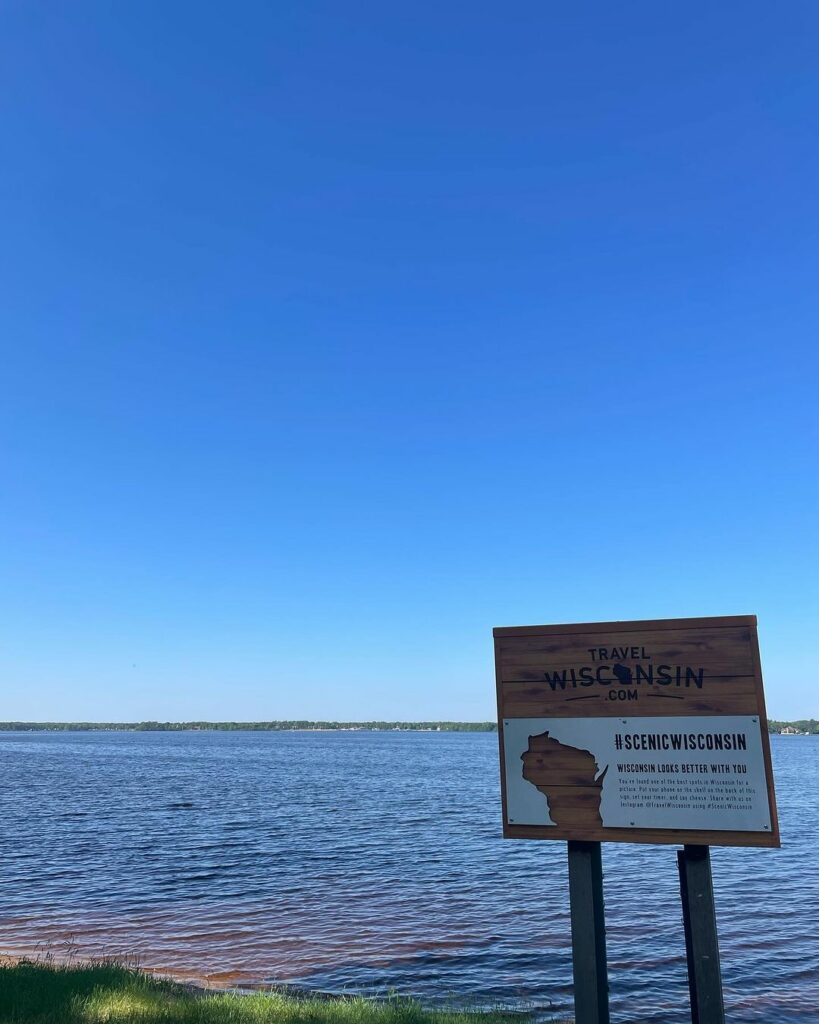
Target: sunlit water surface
<point x="371" y="862"/>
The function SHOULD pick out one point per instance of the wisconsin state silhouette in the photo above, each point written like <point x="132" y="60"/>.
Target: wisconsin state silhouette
<point x="567" y="777"/>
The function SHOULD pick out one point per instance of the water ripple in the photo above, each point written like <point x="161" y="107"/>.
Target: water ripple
<point x="371" y="862"/>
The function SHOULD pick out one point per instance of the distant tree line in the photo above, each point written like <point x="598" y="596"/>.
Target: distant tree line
<point x="280" y="726"/>
<point x="808" y="725"/>
<point x="805" y="725"/>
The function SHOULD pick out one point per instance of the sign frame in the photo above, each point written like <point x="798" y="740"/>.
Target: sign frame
<point x="522" y="692"/>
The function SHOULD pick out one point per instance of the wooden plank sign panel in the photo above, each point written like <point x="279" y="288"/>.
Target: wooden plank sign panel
<point x="636" y="732"/>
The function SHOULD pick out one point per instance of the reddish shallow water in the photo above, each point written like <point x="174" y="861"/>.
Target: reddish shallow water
<point x="371" y="862"/>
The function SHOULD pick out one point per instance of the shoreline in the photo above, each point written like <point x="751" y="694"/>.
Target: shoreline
<point x="199" y="981"/>
<point x="34" y="992"/>
<point x="213" y="983"/>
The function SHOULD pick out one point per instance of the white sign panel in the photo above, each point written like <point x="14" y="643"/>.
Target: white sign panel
<point x="702" y="773"/>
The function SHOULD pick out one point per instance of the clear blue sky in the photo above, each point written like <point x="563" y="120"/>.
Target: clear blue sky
<point x="335" y="334"/>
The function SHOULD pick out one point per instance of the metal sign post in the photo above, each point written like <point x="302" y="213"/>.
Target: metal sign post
<point x="591" y="980"/>
<point x="701" y="943"/>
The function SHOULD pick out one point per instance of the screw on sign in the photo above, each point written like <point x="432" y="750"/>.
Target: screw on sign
<point x="690" y="765"/>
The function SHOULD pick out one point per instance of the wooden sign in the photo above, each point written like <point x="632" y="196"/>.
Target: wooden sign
<point x="635" y="732"/>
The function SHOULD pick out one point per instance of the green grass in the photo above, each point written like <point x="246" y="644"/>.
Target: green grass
<point x="45" y="993"/>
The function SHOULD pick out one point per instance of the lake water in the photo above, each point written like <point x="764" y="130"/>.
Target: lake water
<point x="371" y="862"/>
